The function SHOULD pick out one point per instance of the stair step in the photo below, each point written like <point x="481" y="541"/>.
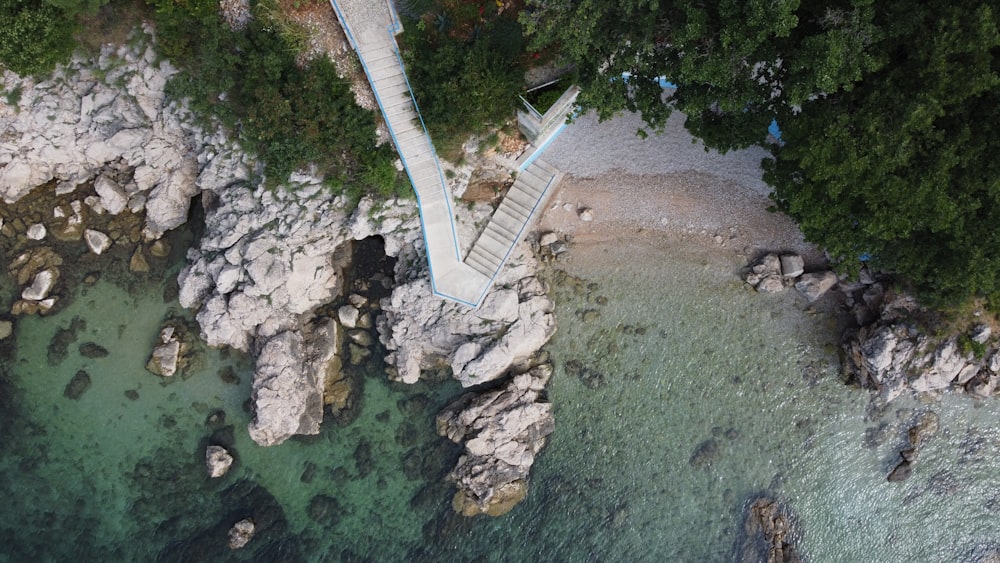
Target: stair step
<point x="545" y="166"/>
<point x="500" y="229"/>
<point x="496" y="237"/>
<point x="490" y="249"/>
<point x="532" y="176"/>
<point x="522" y="199"/>
<point x="480" y="265"/>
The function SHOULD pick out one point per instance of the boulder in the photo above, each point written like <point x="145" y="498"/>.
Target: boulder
<point x="288" y="383"/>
<point x="348" y="315"/>
<point x="166" y="355"/>
<point x="792" y="265"/>
<point x="36" y="231"/>
<point x="217" y="461"/>
<point x="241" y="533"/>
<point x="96" y="241"/>
<point x="113" y="197"/>
<point x="586" y="214"/>
<point x="138" y="261"/>
<point x="545" y="239"/>
<point x="502" y="430"/>
<point x="770" y="284"/>
<point x="164" y="359"/>
<point x="767" y="266"/>
<point x="815" y="285"/>
<point x="6" y="329"/>
<point x="40" y="286"/>
<point x="981" y="333"/>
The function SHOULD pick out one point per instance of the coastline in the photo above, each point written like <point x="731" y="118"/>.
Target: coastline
<point x="665" y="190"/>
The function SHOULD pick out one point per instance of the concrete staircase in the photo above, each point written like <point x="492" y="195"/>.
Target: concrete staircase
<point x="510" y="221"/>
<point x="370" y="26"/>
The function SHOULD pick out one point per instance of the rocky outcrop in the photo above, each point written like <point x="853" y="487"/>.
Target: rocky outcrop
<point x="894" y="354"/>
<point x="767" y="534"/>
<point x="241" y="533"/>
<point x="166" y="354"/>
<point x="217" y="461"/>
<point x="772" y="273"/>
<point x="107" y="121"/>
<point x="269" y="257"/>
<point x="288" y="384"/>
<point x="923" y="429"/>
<point x="503" y="431"/>
<point x="479" y="345"/>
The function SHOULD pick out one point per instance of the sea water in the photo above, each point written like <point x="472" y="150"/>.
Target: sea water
<point x="679" y="397"/>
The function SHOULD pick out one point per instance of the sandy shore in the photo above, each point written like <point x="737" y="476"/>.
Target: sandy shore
<point x="664" y="190"/>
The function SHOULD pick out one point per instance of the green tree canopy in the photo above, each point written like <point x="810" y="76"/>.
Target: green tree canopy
<point x="889" y="112"/>
<point x="34" y="36"/>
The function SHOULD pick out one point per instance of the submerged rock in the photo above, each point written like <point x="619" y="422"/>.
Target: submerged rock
<point x="503" y="431"/>
<point x="768" y="534"/>
<point x="93" y="350"/>
<point x="77" y="386"/>
<point x="241" y="533"/>
<point x="96" y="241"/>
<point x="166" y="355"/>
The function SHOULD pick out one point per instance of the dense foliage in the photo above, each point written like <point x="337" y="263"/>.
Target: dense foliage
<point x="890" y="112"/>
<point x="290" y="116"/>
<point x="465" y="64"/>
<point x="34" y="36"/>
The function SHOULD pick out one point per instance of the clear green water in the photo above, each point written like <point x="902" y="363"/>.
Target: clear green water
<point x="701" y="396"/>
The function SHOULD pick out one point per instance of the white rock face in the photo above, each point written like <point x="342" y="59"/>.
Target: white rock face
<point x="84" y="121"/>
<point x="422" y="332"/>
<point x="288" y="384"/>
<point x="503" y="431"/>
<point x="96" y="241"/>
<point x="217" y="461"/>
<point x="267" y="258"/>
<point x="893" y="356"/>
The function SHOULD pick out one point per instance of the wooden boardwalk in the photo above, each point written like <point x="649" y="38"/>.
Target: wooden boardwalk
<point x="370" y="26"/>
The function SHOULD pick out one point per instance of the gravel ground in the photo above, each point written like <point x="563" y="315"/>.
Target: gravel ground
<point x="666" y="187"/>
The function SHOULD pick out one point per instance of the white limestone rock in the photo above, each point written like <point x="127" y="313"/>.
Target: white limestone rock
<point x="96" y="241"/>
<point x="36" y="232"/>
<point x="815" y="285"/>
<point x="792" y="265"/>
<point x="422" y="331"/>
<point x="40" y="286"/>
<point x="288" y="384"/>
<point x="217" y="461"/>
<point x="113" y="197"/>
<point x="503" y="430"/>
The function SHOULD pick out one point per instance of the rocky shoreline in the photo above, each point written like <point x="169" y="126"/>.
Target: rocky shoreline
<point x="268" y="276"/>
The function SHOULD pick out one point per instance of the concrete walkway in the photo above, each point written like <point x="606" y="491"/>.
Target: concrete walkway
<point x="370" y="26"/>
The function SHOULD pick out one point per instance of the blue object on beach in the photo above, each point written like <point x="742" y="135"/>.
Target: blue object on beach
<point x="774" y="130"/>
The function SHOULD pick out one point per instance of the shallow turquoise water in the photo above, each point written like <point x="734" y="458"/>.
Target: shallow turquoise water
<point x="696" y="397"/>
